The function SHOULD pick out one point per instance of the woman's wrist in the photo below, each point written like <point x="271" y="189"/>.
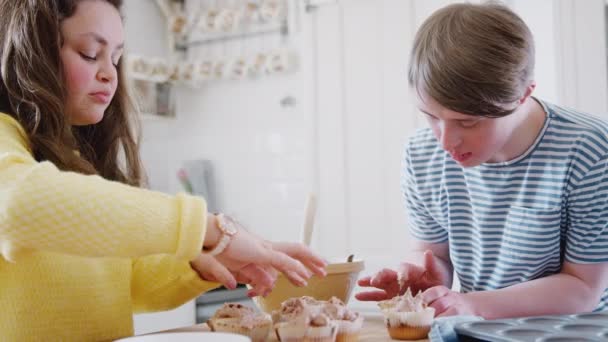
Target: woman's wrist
<point x="213" y="233"/>
<point x="228" y="227"/>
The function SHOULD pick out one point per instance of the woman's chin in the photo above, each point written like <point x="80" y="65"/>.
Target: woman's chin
<point x="88" y="119"/>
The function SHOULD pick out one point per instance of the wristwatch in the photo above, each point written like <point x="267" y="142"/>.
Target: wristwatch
<point x="229" y="227"/>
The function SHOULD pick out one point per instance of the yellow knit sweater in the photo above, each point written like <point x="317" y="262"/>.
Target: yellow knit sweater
<point x="80" y="254"/>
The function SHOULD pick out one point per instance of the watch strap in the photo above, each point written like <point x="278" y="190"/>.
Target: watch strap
<point x="224" y="240"/>
<point x="220" y="246"/>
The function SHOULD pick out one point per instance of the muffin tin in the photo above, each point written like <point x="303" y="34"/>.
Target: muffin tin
<point x="582" y="327"/>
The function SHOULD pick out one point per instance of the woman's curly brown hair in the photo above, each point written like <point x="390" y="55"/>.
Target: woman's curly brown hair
<point x="32" y="90"/>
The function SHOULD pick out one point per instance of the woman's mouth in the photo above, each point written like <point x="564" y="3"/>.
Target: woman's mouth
<point x="101" y="97"/>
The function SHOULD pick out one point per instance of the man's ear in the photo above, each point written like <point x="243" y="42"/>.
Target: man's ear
<point x="529" y="89"/>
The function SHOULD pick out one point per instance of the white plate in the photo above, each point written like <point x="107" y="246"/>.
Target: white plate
<point x="188" y="337"/>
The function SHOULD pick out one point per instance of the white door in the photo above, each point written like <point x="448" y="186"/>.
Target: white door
<point x="582" y="54"/>
<point x="364" y="116"/>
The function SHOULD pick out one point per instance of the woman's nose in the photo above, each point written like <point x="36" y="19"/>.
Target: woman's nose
<point x="107" y="72"/>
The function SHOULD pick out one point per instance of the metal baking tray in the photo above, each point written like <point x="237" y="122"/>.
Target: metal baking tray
<point x="560" y="328"/>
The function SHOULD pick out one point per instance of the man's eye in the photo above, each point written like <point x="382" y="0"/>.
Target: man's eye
<point x="468" y="124"/>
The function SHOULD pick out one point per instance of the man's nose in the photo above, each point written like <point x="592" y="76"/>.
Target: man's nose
<point x="450" y="136"/>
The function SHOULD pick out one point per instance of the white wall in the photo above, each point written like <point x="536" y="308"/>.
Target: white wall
<point x="146" y="34"/>
<point x="262" y="152"/>
<point x="581" y="55"/>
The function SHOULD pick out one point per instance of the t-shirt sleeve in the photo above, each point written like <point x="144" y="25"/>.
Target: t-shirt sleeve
<point x="587" y="229"/>
<point x="422" y="225"/>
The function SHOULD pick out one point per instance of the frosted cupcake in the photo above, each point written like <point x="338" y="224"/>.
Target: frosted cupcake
<point x="303" y="320"/>
<point x="349" y="322"/>
<point x="242" y="320"/>
<point x="407" y="317"/>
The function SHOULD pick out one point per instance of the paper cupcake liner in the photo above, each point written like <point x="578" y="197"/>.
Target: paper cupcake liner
<point x="348" y="331"/>
<point x="293" y="332"/>
<point x="404" y="332"/>
<point x="258" y="333"/>
<point x="410" y="318"/>
<point x="287" y="332"/>
<point x="350" y="337"/>
<point x="350" y="327"/>
<point x="325" y="333"/>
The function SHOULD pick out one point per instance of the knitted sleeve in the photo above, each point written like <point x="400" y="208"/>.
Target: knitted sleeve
<point x="43" y="208"/>
<point x="163" y="282"/>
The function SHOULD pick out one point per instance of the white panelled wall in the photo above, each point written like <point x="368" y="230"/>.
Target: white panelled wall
<point x="343" y="138"/>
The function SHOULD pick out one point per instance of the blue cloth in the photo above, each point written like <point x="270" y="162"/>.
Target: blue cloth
<point x="442" y="329"/>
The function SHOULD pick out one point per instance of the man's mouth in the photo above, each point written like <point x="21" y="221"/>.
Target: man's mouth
<point x="461" y="157"/>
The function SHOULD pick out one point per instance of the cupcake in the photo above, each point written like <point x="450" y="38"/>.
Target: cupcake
<point x="407" y="317"/>
<point x="303" y="320"/>
<point x="349" y="322"/>
<point x="313" y="327"/>
<point x="242" y="320"/>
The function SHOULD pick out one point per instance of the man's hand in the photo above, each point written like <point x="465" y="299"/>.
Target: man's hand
<point x="392" y="283"/>
<point x="447" y="302"/>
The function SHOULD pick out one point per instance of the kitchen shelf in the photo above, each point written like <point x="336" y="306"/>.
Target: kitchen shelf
<point x="212" y="38"/>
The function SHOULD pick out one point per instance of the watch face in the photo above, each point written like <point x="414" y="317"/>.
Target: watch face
<point x="230" y="225"/>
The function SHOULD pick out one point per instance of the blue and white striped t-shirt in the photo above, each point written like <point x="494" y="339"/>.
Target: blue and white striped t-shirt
<point x="511" y="222"/>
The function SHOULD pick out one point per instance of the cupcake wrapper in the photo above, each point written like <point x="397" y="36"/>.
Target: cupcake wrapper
<point x="291" y="333"/>
<point x="258" y="333"/>
<point x="350" y="327"/>
<point x="408" y="333"/>
<point x="351" y="337"/>
<point x="413" y="319"/>
<point x="322" y="333"/>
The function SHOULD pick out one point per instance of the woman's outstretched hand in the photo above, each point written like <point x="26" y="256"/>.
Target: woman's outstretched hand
<point x="252" y="260"/>
<point x="261" y="280"/>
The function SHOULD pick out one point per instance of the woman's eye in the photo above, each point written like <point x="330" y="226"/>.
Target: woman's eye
<point x="87" y="57"/>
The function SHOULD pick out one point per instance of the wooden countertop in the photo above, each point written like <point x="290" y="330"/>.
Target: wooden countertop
<point x="373" y="330"/>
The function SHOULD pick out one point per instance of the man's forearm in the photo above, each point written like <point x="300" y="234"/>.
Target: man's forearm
<point x="556" y="294"/>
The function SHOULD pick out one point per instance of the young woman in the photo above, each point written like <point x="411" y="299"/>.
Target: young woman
<point x="505" y="189"/>
<point x="82" y="246"/>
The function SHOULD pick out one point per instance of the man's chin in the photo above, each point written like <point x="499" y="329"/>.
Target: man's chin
<point x="470" y="163"/>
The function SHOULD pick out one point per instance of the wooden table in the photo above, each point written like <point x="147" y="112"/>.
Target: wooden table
<point x="373" y="330"/>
